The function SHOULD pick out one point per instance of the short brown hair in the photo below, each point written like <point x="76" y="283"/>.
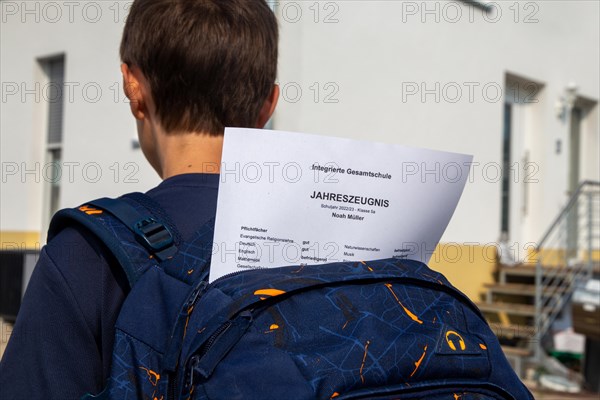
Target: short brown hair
<point x="209" y="63"/>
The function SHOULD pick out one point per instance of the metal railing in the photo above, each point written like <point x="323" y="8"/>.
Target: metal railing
<point x="565" y="257"/>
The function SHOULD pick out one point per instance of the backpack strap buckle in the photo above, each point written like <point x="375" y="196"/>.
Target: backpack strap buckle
<point x="155" y="236"/>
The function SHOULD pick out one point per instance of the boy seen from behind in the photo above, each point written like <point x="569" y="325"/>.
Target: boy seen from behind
<point x="190" y="68"/>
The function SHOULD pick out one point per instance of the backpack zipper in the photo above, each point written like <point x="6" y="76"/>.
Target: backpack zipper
<point x="195" y="360"/>
<point x="213" y="338"/>
<point x="221" y="341"/>
<point x="491" y="391"/>
<point x="196" y="294"/>
<point x="174" y="376"/>
<point x="172" y="385"/>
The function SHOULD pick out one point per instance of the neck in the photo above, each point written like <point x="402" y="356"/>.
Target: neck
<point x="189" y="153"/>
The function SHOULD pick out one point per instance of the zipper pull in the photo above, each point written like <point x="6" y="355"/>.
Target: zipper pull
<point x="221" y="341"/>
<point x="194" y="361"/>
<point x="172" y="354"/>
<point x="196" y="293"/>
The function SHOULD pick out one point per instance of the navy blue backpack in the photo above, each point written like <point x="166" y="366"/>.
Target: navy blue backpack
<point x="386" y="329"/>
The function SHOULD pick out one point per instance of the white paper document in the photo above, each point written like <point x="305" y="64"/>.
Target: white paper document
<point x="291" y="198"/>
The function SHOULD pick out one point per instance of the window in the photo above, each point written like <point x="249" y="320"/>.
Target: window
<point x="506" y="165"/>
<point x="54" y="69"/>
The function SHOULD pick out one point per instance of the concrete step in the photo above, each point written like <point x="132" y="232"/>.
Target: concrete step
<point x="513" y="331"/>
<point x="510" y="351"/>
<point x="517" y="356"/>
<point x="530" y="271"/>
<point x="526" y="310"/>
<point x="520" y="289"/>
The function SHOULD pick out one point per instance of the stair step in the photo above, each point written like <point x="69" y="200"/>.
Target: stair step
<point x="520" y="289"/>
<point x="510" y="308"/>
<point x="516" y="351"/>
<point x="530" y="271"/>
<point x="513" y="331"/>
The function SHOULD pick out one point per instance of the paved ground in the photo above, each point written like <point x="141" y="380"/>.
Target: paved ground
<point x="548" y="395"/>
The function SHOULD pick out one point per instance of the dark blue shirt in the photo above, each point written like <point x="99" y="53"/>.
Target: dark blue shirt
<point x="61" y="345"/>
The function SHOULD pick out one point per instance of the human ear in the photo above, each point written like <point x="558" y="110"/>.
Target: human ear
<point x="268" y="107"/>
<point x="133" y="91"/>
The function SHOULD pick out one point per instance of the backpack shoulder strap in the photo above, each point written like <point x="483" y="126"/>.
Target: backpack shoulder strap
<point x="191" y="262"/>
<point x="150" y="232"/>
<point x="130" y="230"/>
